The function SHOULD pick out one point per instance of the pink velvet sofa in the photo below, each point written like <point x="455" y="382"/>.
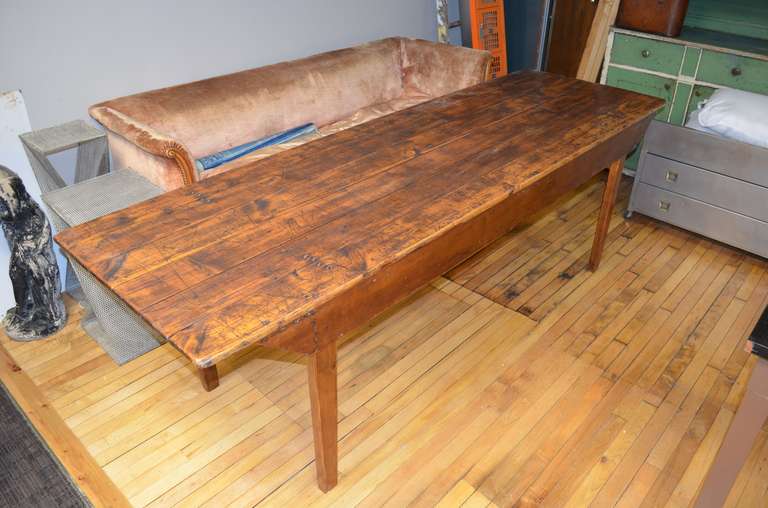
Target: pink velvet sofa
<point x="160" y="133"/>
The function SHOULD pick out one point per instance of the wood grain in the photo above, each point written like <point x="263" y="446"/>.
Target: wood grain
<point x="80" y="465"/>
<point x="322" y="395"/>
<point x="275" y="255"/>
<point x="453" y="397"/>
<point x="209" y="377"/>
<point x="297" y="263"/>
<point x="592" y="57"/>
<point x="606" y="210"/>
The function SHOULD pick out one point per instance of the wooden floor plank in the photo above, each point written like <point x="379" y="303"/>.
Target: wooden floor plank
<point x="80" y="465"/>
<point x="519" y="377"/>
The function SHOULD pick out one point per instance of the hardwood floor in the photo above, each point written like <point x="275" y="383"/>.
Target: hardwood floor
<point x="518" y="378"/>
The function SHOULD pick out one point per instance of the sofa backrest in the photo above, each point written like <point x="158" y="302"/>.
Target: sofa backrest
<point x="439" y="69"/>
<point x="218" y="113"/>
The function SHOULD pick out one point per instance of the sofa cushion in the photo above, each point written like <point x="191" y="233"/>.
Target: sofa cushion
<point x="171" y="127"/>
<point x="374" y="111"/>
<point x="247" y="105"/>
<point x="361" y="116"/>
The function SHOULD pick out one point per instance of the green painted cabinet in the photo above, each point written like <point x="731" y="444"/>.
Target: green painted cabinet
<point x="648" y="54"/>
<point x="741" y="17"/>
<point x="700" y="94"/>
<point x="684" y="71"/>
<point x="734" y="71"/>
<point x="649" y="84"/>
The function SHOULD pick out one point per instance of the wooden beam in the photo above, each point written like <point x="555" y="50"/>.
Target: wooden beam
<point x="605" y="17"/>
<point x="606" y="211"/>
<point x="209" y="377"/>
<point x="82" y="468"/>
<point x="323" y="402"/>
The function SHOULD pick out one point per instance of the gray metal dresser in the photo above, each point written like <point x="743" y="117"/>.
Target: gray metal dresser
<point x="706" y="184"/>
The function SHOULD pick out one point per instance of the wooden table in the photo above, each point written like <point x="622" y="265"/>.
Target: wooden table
<point x="294" y="251"/>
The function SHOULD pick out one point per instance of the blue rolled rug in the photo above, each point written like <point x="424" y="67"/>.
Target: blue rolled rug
<point x="219" y="158"/>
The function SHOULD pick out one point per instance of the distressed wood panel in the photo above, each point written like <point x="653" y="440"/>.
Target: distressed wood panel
<point x="617" y="394"/>
<point x="281" y="252"/>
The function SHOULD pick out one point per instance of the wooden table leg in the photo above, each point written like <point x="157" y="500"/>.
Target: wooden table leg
<point x="606" y="209"/>
<point x="209" y="377"/>
<point x="322" y="395"/>
<point x="738" y="442"/>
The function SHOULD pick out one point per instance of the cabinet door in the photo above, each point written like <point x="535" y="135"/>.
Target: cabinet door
<point x="648" y="84"/>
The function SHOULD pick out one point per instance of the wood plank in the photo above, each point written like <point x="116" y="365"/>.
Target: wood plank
<point x="451" y="397"/>
<point x="606" y="208"/>
<point x="80" y="466"/>
<point x="403" y="220"/>
<point x="322" y="394"/>
<point x="592" y="57"/>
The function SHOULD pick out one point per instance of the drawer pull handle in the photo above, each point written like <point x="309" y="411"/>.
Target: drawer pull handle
<point x="671" y="176"/>
<point x="736" y="71"/>
<point x="645" y="53"/>
<point x="664" y="206"/>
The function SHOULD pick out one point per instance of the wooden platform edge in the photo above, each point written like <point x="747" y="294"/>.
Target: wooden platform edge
<point x="80" y="465"/>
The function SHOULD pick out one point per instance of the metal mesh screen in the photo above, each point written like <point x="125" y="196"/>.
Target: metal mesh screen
<point x="126" y="335"/>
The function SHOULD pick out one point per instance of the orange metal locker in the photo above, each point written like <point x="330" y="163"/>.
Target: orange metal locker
<point x="487" y="22"/>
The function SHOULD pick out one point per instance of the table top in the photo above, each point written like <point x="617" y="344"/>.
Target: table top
<point x="227" y="262"/>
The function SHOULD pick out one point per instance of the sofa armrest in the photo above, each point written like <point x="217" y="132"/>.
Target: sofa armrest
<point x="437" y="69"/>
<point x="150" y="141"/>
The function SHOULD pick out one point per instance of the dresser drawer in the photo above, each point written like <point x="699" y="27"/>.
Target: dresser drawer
<point x="713" y="188"/>
<point x="708" y="220"/>
<point x="648" y="84"/>
<point x="648" y="54"/>
<point x="720" y="155"/>
<point x="734" y="71"/>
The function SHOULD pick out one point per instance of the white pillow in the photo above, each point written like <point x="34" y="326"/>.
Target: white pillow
<point x="738" y="115"/>
<point x="693" y="123"/>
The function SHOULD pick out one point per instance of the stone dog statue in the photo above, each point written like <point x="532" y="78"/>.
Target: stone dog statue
<point x="39" y="309"/>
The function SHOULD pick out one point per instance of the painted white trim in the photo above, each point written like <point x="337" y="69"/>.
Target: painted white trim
<point x="694" y="44"/>
<point x="672" y="105"/>
<point x="682" y="62"/>
<point x="688" y="81"/>
<point x="690" y="94"/>
<point x="644" y="71"/>
<point x="607" y="58"/>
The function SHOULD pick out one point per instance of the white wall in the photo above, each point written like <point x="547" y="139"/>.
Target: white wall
<point x="66" y="55"/>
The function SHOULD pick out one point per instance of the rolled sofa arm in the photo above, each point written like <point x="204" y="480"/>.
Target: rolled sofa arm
<point x="175" y="157"/>
<point x="439" y="69"/>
